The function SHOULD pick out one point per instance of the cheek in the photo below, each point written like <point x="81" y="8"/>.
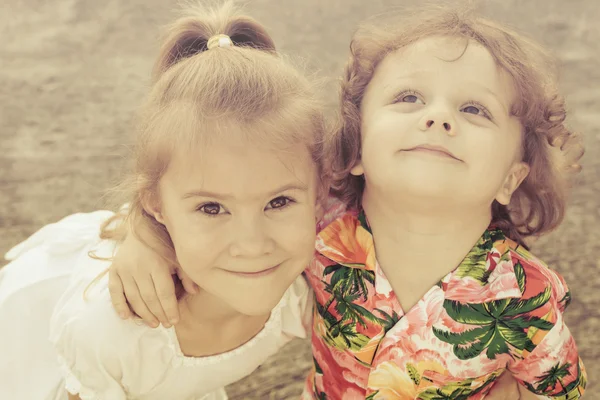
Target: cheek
<point x="492" y="156"/>
<point x="196" y="245"/>
<point x="489" y="164"/>
<point x="384" y="132"/>
<point x="297" y="233"/>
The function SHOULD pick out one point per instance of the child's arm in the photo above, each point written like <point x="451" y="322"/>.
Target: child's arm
<point x="553" y="369"/>
<point x="549" y="366"/>
<point x="139" y="279"/>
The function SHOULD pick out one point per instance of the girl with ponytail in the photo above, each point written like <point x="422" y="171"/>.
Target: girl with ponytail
<point x="227" y="175"/>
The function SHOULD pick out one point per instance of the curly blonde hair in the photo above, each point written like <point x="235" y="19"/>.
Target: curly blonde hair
<point x="551" y="150"/>
<point x="198" y="92"/>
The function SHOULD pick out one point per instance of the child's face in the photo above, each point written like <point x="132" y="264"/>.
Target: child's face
<point x="242" y="220"/>
<point x="436" y="126"/>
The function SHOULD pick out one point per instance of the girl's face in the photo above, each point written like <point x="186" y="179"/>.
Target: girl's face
<point x="242" y="220"/>
<point x="436" y="126"/>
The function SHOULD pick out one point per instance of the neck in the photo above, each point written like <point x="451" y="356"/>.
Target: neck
<point x="206" y="309"/>
<point x="209" y="326"/>
<point x="431" y="238"/>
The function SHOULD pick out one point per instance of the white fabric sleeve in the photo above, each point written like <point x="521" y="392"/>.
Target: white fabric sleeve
<point x="65" y="236"/>
<point x="91" y="356"/>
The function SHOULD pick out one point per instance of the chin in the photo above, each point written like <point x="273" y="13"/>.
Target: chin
<point x="428" y="184"/>
<point x="407" y="188"/>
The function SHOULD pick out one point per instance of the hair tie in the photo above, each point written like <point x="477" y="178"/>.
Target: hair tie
<point x="219" y="41"/>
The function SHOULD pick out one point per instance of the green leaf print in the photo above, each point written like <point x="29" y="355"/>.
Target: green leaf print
<point x="413" y="373"/>
<point x="501" y="322"/>
<point x="344" y="336"/>
<point x="350" y="311"/>
<point x="566" y="300"/>
<point x="472" y="314"/>
<point x="372" y="396"/>
<point x="348" y="280"/>
<point x="318" y="369"/>
<point x="528" y="322"/>
<point x="341" y="333"/>
<point x="552" y="377"/>
<point x="520" y="275"/>
<point x="326" y="315"/>
<point x="574" y="390"/>
<point x="517" y="307"/>
<point x="496" y="307"/>
<point x="362" y="218"/>
<point x="497" y="345"/>
<point x="388" y="321"/>
<point x="461" y="338"/>
<point x="474" y="265"/>
<point x="330" y="269"/>
<point x="458" y="390"/>
<point x="473" y="348"/>
<point x="516" y="338"/>
<point x="320" y="396"/>
<point x="439" y="394"/>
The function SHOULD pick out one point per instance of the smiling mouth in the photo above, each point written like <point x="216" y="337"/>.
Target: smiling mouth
<point x="433" y="150"/>
<point x="256" y="274"/>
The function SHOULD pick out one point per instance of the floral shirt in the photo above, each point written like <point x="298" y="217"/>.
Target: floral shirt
<point x="500" y="309"/>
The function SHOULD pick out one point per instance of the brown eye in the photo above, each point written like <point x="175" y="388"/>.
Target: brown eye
<point x="211" y="208"/>
<point x="279" y="202"/>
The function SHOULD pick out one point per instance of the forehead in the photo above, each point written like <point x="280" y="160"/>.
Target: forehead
<point x="239" y="167"/>
<point x="453" y="61"/>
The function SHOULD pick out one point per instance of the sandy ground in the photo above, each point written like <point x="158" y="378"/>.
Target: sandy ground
<point x="72" y="73"/>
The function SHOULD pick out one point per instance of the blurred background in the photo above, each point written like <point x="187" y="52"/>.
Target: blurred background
<point x="72" y="73"/>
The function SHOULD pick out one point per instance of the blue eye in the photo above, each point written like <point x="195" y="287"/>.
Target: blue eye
<point x="476" y="109"/>
<point x="409" y="96"/>
<point x="471" y="110"/>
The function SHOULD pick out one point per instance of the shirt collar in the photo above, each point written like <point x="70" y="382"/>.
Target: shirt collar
<point x="348" y="241"/>
<point x="488" y="272"/>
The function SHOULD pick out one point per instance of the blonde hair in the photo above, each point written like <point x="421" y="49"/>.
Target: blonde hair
<point x="550" y="149"/>
<point x="198" y="92"/>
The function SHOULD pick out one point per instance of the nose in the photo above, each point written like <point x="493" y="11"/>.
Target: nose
<point x="440" y="119"/>
<point x="251" y="240"/>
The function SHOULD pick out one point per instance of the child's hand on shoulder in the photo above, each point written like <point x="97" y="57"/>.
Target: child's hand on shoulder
<point x="141" y="282"/>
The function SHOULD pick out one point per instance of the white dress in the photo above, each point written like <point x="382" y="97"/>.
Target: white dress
<point x="52" y="340"/>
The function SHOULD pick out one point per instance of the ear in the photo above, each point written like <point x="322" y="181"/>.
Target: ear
<point x="516" y="175"/>
<point x="152" y="206"/>
<point x="358" y="169"/>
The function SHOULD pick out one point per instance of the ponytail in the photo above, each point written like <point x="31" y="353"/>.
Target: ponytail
<point x="189" y="36"/>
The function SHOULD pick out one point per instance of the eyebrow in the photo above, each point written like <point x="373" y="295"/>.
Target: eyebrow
<point x="227" y="196"/>
<point x="492" y="94"/>
<point x="400" y="81"/>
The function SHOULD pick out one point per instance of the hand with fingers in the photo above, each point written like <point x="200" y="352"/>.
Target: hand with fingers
<point x="141" y="282"/>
